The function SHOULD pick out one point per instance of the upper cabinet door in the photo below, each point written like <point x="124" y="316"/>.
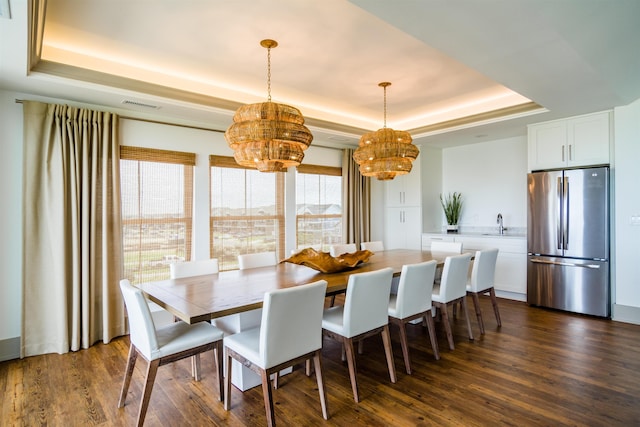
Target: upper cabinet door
<point x="588" y="140"/>
<point x="547" y="145"/>
<point x="405" y="190"/>
<point x="577" y="141"/>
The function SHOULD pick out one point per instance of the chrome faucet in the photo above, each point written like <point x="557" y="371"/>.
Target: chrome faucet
<point x="500" y="224"/>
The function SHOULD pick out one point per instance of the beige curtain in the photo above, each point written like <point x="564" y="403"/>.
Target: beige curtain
<point x="356" y="206"/>
<point x="72" y="233"/>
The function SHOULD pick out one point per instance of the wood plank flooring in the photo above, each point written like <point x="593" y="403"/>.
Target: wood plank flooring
<point x="542" y="368"/>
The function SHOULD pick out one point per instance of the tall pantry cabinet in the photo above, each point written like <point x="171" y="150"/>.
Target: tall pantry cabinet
<point x="403" y="210"/>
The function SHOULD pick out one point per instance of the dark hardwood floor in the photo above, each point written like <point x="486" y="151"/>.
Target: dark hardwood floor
<point x="542" y="367"/>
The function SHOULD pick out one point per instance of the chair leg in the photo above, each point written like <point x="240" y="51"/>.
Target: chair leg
<point x="494" y="302"/>
<point x="152" y="370"/>
<point x="195" y="367"/>
<point x="404" y="343"/>
<point x="443" y="309"/>
<point x="268" y="398"/>
<point x="217" y="357"/>
<point x="351" y="362"/>
<point x="476" y="305"/>
<point x="466" y="315"/>
<point x="317" y="363"/>
<point x="361" y="346"/>
<point x="386" y="340"/>
<point x="131" y="363"/>
<point x="432" y="335"/>
<point x="227" y="384"/>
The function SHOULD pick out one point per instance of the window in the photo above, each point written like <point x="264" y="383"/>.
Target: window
<point x="318" y="206"/>
<point x="247" y="211"/>
<point x="156" y="194"/>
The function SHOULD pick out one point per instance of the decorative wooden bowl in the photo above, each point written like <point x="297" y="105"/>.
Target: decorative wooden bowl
<point x="325" y="263"/>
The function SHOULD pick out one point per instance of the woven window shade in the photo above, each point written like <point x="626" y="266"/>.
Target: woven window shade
<point x="247" y="211"/>
<point x="318" y="206"/>
<point x="157" y="199"/>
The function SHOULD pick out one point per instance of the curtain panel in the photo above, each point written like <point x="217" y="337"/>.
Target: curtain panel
<point x="356" y="208"/>
<point x="72" y="229"/>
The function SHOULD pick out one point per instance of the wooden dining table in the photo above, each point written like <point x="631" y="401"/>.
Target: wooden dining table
<point x="201" y="298"/>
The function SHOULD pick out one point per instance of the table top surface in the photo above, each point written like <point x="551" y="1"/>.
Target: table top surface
<point x="200" y="298"/>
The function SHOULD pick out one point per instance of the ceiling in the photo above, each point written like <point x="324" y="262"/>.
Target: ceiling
<point x="461" y="71"/>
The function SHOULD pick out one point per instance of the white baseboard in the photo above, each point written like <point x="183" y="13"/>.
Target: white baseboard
<point x="626" y="314"/>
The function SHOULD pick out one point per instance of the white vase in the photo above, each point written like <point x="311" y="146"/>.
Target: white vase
<point x="452" y="228"/>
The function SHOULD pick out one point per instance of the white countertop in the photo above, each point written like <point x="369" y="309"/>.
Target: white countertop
<point x="516" y="233"/>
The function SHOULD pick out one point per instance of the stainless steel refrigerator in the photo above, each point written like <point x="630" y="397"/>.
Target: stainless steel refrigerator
<point x="568" y="240"/>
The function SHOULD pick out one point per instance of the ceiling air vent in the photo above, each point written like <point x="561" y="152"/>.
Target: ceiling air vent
<point x="140" y="104"/>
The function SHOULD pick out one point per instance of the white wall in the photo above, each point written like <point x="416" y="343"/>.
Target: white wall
<point x="492" y="177"/>
<point x="626" y="176"/>
<point x="10" y="220"/>
<point x="431" y="171"/>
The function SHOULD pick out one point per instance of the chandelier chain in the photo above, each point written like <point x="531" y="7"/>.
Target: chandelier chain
<point x="385" y="105"/>
<point x="269" y="73"/>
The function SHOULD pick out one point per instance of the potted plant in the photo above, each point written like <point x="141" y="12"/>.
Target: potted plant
<point x="452" y="206"/>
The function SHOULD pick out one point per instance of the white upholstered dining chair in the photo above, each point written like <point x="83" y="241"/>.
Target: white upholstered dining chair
<point x="445" y="247"/>
<point x="364" y="313"/>
<point x="193" y="268"/>
<point x="413" y="301"/>
<point x="339" y="249"/>
<point x="449" y="247"/>
<point x="162" y="346"/>
<point x="256" y="260"/>
<point x="451" y="290"/>
<point x="290" y="332"/>
<point x="178" y="270"/>
<point x="481" y="283"/>
<point x="373" y="246"/>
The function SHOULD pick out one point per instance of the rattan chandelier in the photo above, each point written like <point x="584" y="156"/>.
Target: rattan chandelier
<point x="268" y="136"/>
<point x="385" y="153"/>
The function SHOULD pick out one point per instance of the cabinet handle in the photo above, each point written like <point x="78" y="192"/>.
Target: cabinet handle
<point x="570" y="152"/>
<point x="563" y="153"/>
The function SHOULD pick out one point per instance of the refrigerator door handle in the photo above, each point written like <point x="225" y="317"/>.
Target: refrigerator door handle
<point x="565" y="222"/>
<point x="559" y="221"/>
<point x="568" y="264"/>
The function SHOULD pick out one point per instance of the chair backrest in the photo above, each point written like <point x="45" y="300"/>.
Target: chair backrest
<point x="374" y="246"/>
<point x="259" y="259"/>
<point x="452" y="247"/>
<point x="141" y="328"/>
<point x="483" y="270"/>
<point x="366" y="303"/>
<point x="337" y="250"/>
<point x="291" y="322"/>
<point x="453" y="283"/>
<point x="415" y="288"/>
<point x="193" y="268"/>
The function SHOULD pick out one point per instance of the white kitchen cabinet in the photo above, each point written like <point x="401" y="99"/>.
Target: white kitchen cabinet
<point x="405" y="190"/>
<point x="403" y="228"/>
<point x="403" y="210"/>
<point x="427" y="238"/>
<point x="511" y="265"/>
<point x="577" y="141"/>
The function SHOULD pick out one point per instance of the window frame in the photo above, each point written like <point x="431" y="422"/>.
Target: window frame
<point x="279" y="217"/>
<point x="143" y="154"/>
<point x="317" y="170"/>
